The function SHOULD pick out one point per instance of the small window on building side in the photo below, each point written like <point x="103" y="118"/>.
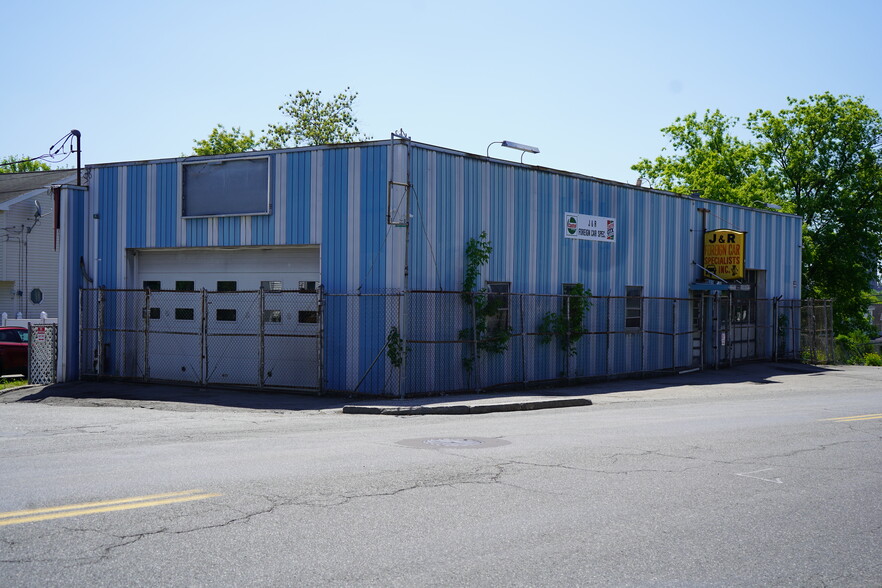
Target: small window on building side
<point x="152" y="285"/>
<point x="184" y="314"/>
<point x="185" y="286"/>
<point x="271" y="286"/>
<point x="153" y="313"/>
<point x="36" y="296"/>
<point x="633" y="307"/>
<point x="307" y="316"/>
<point x="226" y="314"/>
<point x="226" y="286"/>
<point x="498" y="301"/>
<point x="307" y="286"/>
<point x="272" y="316"/>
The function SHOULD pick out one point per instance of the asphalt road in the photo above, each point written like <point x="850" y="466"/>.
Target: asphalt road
<point x="762" y="476"/>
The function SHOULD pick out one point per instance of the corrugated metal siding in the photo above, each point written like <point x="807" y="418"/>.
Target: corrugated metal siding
<point x="522" y="209"/>
<point x="168" y="206"/>
<point x="109" y="200"/>
<point x="136" y="206"/>
<point x="337" y="197"/>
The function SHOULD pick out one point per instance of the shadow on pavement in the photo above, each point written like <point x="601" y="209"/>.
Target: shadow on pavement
<point x="147" y="395"/>
<point x="171" y="397"/>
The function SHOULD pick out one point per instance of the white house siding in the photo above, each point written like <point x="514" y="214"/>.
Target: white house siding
<point x="42" y="259"/>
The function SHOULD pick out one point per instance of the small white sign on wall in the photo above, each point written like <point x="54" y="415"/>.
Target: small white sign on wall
<point x="589" y="228"/>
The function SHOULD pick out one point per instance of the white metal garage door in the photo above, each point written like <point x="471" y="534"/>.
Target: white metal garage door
<point x="249" y="339"/>
<point x="207" y="268"/>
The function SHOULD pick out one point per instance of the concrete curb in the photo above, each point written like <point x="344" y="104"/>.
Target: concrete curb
<point x="466" y="408"/>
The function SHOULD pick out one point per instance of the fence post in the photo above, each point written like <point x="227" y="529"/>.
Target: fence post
<point x="609" y="338"/>
<point x="713" y="330"/>
<point x="320" y="294"/>
<point x="475" y="363"/>
<point x="523" y="340"/>
<point x="99" y="370"/>
<point x="79" y="338"/>
<point x="402" y="379"/>
<point x="828" y="320"/>
<point x="674" y="335"/>
<point x="643" y="316"/>
<point x="702" y="329"/>
<point x="146" y="314"/>
<point x="730" y="348"/>
<point x="567" y="337"/>
<point x="261" y="357"/>
<point x="775" y="342"/>
<point x="403" y="319"/>
<point x="813" y="330"/>
<point x="203" y="377"/>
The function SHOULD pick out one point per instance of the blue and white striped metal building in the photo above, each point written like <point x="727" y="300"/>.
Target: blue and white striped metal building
<point x="393" y="216"/>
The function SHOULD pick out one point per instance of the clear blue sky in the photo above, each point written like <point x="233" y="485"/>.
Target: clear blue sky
<point x="589" y="83"/>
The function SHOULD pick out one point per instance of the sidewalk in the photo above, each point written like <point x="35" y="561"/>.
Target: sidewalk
<point x="189" y="398"/>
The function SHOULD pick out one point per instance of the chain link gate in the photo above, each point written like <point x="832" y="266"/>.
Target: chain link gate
<point x="261" y="339"/>
<point x="42" y="354"/>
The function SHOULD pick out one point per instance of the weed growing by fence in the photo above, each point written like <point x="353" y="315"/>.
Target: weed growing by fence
<point x="567" y="324"/>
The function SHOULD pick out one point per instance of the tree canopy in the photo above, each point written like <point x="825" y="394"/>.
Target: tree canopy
<point x="21" y="163"/>
<point x="820" y="158"/>
<point x="223" y="141"/>
<point x="313" y="121"/>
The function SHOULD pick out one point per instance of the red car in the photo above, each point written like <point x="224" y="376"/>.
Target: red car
<point x="13" y="350"/>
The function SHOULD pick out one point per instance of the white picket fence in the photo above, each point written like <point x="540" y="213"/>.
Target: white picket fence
<point x="44" y="319"/>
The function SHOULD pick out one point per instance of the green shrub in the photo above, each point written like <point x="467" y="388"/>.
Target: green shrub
<point x="852" y="348"/>
<point x="873" y="359"/>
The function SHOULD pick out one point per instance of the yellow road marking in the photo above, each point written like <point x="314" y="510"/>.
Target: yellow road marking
<point x="93" y="504"/>
<point x="860" y="417"/>
<point x="75" y="510"/>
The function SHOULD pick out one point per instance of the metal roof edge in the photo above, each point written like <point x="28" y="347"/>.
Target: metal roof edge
<point x="428" y="146"/>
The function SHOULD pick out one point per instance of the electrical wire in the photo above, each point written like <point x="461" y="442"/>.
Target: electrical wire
<point x="428" y="241"/>
<point x="374" y="261"/>
<point x="382" y="247"/>
<point x="59" y="147"/>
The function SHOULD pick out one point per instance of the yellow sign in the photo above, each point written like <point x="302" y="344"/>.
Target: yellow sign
<point x="724" y="254"/>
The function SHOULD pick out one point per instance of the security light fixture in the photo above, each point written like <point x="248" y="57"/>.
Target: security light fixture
<point x="513" y="145"/>
<point x="767" y="204"/>
<point x="520" y="146"/>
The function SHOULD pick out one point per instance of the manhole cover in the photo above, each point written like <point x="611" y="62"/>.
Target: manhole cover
<point x="454" y="442"/>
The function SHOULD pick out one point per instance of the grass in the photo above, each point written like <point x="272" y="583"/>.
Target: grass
<point x="11" y="383"/>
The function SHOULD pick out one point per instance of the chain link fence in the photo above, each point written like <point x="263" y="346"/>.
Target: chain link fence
<point x="253" y="338"/>
<point x="429" y="342"/>
<point x="816" y="334"/>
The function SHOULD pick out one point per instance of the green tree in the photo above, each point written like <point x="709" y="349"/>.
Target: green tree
<point x="819" y="158"/>
<point x="314" y="121"/>
<point x="824" y="152"/>
<point x="20" y="163"/>
<point x="707" y="158"/>
<point x="222" y="141"/>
